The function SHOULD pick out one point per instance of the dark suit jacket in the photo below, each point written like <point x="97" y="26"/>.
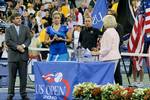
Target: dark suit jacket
<point x="13" y="39"/>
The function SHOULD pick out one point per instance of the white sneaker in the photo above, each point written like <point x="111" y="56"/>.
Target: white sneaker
<point x="134" y="84"/>
<point x="140" y="84"/>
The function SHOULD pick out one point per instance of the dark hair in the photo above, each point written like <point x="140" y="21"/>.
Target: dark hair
<point x="14" y="15"/>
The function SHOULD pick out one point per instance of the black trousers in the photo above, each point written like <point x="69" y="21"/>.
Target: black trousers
<point x="1" y="54"/>
<point x="72" y="4"/>
<point x="118" y="77"/>
<point x="21" y="67"/>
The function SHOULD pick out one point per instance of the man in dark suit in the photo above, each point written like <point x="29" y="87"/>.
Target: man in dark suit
<point x="17" y="39"/>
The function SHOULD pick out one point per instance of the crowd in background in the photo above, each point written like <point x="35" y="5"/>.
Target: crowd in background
<point x="38" y="15"/>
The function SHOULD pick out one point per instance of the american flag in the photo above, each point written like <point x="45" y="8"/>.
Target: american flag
<point x="146" y="6"/>
<point x="136" y="40"/>
<point x="147" y="23"/>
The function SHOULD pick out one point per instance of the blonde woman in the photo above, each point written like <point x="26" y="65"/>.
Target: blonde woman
<point x="110" y="41"/>
<point x="38" y="20"/>
<point x="30" y="9"/>
<point x="58" y="36"/>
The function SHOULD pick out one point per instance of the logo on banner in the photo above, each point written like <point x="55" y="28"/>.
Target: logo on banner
<point x="59" y="86"/>
<point x="97" y="18"/>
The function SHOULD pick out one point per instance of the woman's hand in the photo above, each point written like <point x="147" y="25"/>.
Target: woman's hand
<point x="94" y="49"/>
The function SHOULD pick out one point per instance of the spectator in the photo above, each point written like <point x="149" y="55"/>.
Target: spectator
<point x="10" y="3"/>
<point x="37" y="5"/>
<point x="114" y="6"/>
<point x="35" y="43"/>
<point x="88" y="11"/>
<point x="79" y="17"/>
<point x="48" y="18"/>
<point x="42" y="11"/>
<point x="92" y="3"/>
<point x="46" y="1"/>
<point x="82" y="8"/>
<point x="72" y="3"/>
<point x="42" y="39"/>
<point x="70" y="22"/>
<point x="63" y="19"/>
<point x="18" y="8"/>
<point x="65" y="9"/>
<point x="33" y="24"/>
<point x="38" y="20"/>
<point x="51" y="8"/>
<point x="25" y="19"/>
<point x="30" y="9"/>
<point x="76" y="34"/>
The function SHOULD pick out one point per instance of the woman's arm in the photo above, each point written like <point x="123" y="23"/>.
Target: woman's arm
<point x="106" y="43"/>
<point x="69" y="36"/>
<point x="48" y="39"/>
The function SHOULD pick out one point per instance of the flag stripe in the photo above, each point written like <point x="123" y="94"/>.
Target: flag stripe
<point x="147" y="10"/>
<point x="147" y="30"/>
<point x="147" y="17"/>
<point x="147" y="22"/>
<point x="147" y="13"/>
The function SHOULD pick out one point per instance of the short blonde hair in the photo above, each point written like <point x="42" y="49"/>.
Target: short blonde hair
<point x="29" y="5"/>
<point x="109" y="21"/>
<point x="56" y="13"/>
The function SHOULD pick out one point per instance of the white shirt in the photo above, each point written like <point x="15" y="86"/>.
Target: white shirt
<point x="17" y="29"/>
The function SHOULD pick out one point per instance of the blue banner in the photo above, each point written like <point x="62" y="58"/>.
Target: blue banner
<point x="99" y="11"/>
<point x="96" y="72"/>
<point x="55" y="80"/>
